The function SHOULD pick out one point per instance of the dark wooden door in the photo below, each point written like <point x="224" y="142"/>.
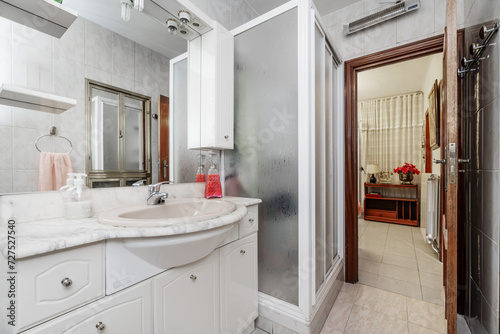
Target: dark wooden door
<point x="163" y="138"/>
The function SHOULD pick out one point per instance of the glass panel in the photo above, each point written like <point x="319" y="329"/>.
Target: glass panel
<point x="264" y="163"/>
<point x="105" y="184"/>
<point x="105" y="130"/>
<point x="319" y="153"/>
<point x="328" y="161"/>
<point x="334" y="187"/>
<point x="133" y="135"/>
<point x="184" y="161"/>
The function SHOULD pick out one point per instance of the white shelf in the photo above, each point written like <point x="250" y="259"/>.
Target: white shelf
<point x="21" y="97"/>
<point x="47" y="16"/>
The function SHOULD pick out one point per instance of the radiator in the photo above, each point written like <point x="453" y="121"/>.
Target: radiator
<point x="432" y="214"/>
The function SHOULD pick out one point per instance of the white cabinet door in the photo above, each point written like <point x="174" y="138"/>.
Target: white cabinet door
<point x="211" y="90"/>
<point x="128" y="311"/>
<point x="57" y="282"/>
<point x="239" y="304"/>
<point x="186" y="299"/>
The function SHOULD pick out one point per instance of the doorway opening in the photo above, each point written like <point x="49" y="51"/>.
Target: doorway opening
<point x="394" y="255"/>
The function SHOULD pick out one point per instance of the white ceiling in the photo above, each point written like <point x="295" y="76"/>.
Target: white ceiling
<point x="399" y="78"/>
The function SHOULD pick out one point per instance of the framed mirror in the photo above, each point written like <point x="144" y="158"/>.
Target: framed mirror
<point x="99" y="46"/>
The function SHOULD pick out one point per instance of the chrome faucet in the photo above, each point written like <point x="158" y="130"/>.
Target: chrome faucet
<point x="155" y="196"/>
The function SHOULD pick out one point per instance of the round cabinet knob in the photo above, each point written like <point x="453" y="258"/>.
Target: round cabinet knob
<point x="242" y="251"/>
<point x="251" y="220"/>
<point x="193" y="277"/>
<point x="66" y="282"/>
<point x="226" y="137"/>
<point x="100" y="326"/>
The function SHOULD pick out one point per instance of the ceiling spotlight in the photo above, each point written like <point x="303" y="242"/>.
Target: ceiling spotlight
<point x="184" y="17"/>
<point x="126" y="9"/>
<point x="172" y="26"/>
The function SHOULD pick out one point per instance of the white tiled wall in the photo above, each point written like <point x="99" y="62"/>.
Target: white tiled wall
<point x="35" y="60"/>
<point x="425" y="22"/>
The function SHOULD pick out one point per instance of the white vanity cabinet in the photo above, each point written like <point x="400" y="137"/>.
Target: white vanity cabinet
<point x="64" y="292"/>
<point x="58" y="282"/>
<point x="186" y="299"/>
<point x="128" y="311"/>
<point x="238" y="284"/>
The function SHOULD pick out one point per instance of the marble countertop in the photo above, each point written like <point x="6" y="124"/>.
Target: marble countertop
<point x="44" y="236"/>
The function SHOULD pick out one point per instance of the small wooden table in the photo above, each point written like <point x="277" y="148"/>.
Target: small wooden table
<point x="391" y="209"/>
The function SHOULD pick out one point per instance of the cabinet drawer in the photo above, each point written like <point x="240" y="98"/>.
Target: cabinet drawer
<point x="381" y="213"/>
<point x="250" y="223"/>
<point x="53" y="283"/>
<point x="127" y="311"/>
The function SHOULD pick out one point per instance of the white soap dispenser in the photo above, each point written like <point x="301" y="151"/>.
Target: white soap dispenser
<point x="70" y="182"/>
<point x="79" y="202"/>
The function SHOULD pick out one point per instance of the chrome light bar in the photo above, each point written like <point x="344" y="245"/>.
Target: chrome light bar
<point x="381" y="16"/>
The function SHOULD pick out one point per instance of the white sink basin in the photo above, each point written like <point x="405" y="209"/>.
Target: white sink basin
<point x="187" y="237"/>
<point x="174" y="211"/>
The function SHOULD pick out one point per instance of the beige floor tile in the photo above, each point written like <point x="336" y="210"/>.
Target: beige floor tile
<point x="328" y="330"/>
<point x="398" y="243"/>
<point x="362" y="320"/>
<point x="370" y="254"/>
<point x="435" y="296"/>
<point x="424" y="256"/>
<point x="406" y="252"/>
<point x="385" y="302"/>
<point x="401" y="261"/>
<point x="399" y="273"/>
<point x="399" y="286"/>
<point x="431" y="267"/>
<point x="371" y="244"/>
<point x="415" y="329"/>
<point x="389" y="325"/>
<point x="367" y="278"/>
<point x="337" y="319"/>
<point x="426" y="315"/>
<point x="424" y="247"/>
<point x="348" y="292"/>
<point x="369" y="266"/>
<point x="431" y="280"/>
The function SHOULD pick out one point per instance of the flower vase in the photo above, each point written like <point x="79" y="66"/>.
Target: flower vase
<point x="405" y="178"/>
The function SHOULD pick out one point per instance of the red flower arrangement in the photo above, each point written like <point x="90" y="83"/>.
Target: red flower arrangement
<point x="407" y="168"/>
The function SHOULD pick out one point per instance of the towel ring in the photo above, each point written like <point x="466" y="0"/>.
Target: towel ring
<point x="53" y="132"/>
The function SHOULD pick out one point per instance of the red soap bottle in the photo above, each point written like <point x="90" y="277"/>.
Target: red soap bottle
<point x="200" y="174"/>
<point x="213" y="188"/>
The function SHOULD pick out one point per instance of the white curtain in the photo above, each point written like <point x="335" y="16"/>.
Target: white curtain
<point x="390" y="131"/>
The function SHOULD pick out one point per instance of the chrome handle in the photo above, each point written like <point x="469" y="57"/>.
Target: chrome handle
<point x="66" y="282"/>
<point x="242" y="251"/>
<point x="439" y="161"/>
<point x="120" y="134"/>
<point x="463" y="161"/>
<point x="193" y="277"/>
<point x="100" y="326"/>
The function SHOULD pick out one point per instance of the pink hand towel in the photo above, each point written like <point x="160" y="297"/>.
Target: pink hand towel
<point x="54" y="169"/>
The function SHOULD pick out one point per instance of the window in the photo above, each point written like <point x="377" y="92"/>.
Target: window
<point x="118" y="136"/>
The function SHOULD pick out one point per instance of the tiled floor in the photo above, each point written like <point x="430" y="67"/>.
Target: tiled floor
<point x="396" y="258"/>
<point x="364" y="309"/>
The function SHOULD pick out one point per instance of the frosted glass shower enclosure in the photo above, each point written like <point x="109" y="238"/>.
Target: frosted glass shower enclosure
<point x="285" y="153"/>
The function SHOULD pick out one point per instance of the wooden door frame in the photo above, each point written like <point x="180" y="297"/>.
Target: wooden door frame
<point x="406" y="52"/>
